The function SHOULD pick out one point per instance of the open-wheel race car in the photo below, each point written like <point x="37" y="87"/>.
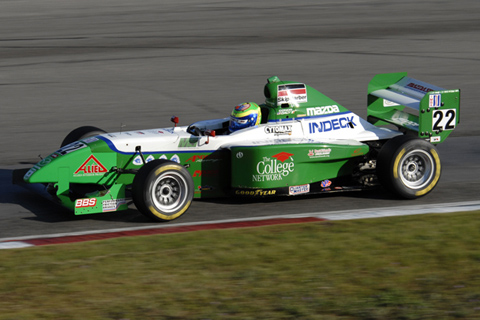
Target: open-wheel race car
<point x="298" y="142"/>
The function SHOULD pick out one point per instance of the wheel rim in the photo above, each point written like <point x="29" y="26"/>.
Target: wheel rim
<point x="417" y="168"/>
<point x="169" y="192"/>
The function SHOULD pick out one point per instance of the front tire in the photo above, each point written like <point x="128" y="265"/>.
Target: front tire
<point x="408" y="166"/>
<point x="81" y="133"/>
<point x="162" y="190"/>
<point x="79" y="190"/>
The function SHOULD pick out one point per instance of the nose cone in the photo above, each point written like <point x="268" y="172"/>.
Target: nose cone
<point x="33" y="175"/>
<point x="47" y="169"/>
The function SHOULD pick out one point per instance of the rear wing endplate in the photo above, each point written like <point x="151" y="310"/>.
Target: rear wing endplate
<point x="412" y="105"/>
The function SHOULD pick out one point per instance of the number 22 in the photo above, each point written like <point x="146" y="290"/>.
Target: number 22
<point x="444" y="119"/>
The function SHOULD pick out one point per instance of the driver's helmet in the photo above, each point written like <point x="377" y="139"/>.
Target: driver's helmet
<point x="245" y="115"/>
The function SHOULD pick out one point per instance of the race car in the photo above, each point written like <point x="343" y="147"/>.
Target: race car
<point x="297" y="142"/>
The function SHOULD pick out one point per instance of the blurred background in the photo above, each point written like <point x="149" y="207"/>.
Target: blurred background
<point x="113" y="63"/>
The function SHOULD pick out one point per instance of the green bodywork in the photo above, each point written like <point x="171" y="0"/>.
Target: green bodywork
<point x="278" y="166"/>
<point x="109" y="174"/>
<point x="284" y="110"/>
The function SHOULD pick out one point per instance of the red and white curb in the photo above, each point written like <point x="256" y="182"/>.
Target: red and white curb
<point x="38" y="240"/>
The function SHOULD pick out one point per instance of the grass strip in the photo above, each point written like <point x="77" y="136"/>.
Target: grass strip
<point x="411" y="267"/>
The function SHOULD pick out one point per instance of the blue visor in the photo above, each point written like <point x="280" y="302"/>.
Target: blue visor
<point x="243" y="122"/>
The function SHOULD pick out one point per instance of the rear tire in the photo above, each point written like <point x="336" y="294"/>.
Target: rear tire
<point x="81" y="133"/>
<point x="162" y="190"/>
<point x="408" y="166"/>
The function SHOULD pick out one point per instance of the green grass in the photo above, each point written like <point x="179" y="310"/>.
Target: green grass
<point x="413" y="267"/>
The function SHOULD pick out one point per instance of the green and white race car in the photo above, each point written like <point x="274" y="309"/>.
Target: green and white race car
<point x="305" y="143"/>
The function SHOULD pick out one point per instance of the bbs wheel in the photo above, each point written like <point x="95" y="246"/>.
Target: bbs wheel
<point x="81" y="133"/>
<point x="408" y="166"/>
<point x="162" y="190"/>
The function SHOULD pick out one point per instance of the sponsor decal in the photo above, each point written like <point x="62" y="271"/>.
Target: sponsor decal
<point x="282" y="156"/>
<point x="402" y="119"/>
<point x="388" y="103"/>
<point x="205" y="173"/>
<point x="419" y="87"/>
<point x="154" y="132"/>
<point x="206" y="188"/>
<point x="203" y="158"/>
<point x="278" y="140"/>
<point x="275" y="168"/>
<point x="90" y="140"/>
<point x="188" y="142"/>
<point x="196" y="158"/>
<point x="444" y="119"/>
<point x="435" y="139"/>
<point x="71" y="147"/>
<point x="435" y="100"/>
<point x="86" y="203"/>
<point x="319" y="153"/>
<point x="283" y="112"/>
<point x="242" y="107"/>
<point x="318" y="111"/>
<point x="112" y="205"/>
<point x="330" y="125"/>
<point x="91" y="167"/>
<point x="255" y="193"/>
<point x="291" y="93"/>
<point x="239" y="155"/>
<point x="357" y="152"/>
<point x="278" y="130"/>
<point x="326" y="183"/>
<point x="30" y="172"/>
<point x="293" y="190"/>
<point x="137" y="161"/>
<point x="45" y="161"/>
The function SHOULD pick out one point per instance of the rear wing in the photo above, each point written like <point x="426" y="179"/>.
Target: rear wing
<point x="411" y="105"/>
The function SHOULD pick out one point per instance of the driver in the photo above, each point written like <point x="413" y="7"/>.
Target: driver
<point x="245" y="115"/>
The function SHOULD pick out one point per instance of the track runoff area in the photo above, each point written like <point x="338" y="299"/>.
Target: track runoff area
<point x="51" y="239"/>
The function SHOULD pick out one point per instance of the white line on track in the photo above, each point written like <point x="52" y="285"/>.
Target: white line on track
<point x="401" y="211"/>
<point x="16" y="242"/>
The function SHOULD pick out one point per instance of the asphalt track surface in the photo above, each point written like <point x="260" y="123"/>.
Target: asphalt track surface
<point x="118" y="63"/>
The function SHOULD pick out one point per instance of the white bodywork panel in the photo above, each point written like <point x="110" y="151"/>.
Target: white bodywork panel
<point x="343" y="128"/>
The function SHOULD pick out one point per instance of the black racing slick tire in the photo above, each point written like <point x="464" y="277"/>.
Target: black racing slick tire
<point x="162" y="190"/>
<point x="408" y="166"/>
<point x="81" y="133"/>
